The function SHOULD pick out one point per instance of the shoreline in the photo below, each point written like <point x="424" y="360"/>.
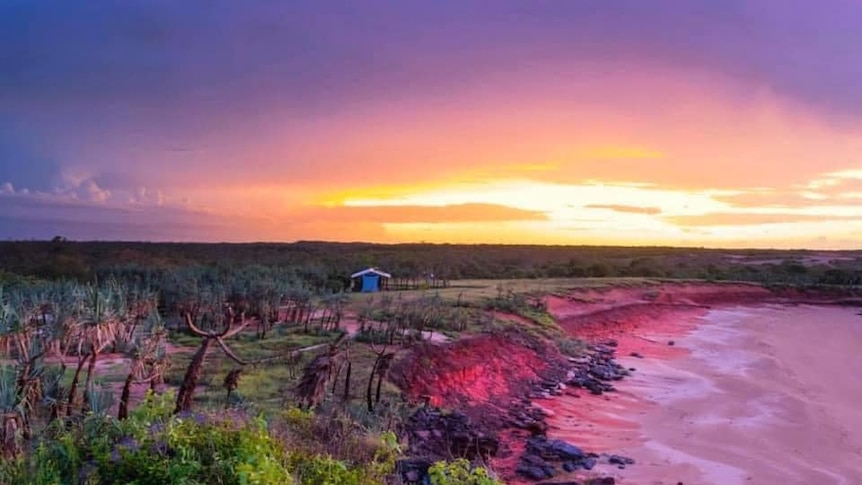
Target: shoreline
<point x="730" y="403"/>
<point x="532" y="399"/>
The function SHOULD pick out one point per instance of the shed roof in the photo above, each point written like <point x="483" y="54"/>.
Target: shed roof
<point x="370" y="271"/>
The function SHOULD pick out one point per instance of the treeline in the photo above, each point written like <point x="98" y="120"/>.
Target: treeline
<point x="325" y="267"/>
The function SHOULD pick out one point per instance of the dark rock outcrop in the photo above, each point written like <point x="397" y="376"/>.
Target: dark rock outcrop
<point x="436" y="433"/>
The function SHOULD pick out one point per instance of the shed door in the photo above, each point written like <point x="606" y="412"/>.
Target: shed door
<point x="370" y="282"/>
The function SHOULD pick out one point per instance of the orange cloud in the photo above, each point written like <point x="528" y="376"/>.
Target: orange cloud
<point x="395" y="214"/>
<point x="748" y="219"/>
<point x="628" y="209"/>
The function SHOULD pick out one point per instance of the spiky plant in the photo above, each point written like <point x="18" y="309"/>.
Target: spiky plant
<point x="11" y="414"/>
<point x="312" y="386"/>
<point x="100" y="399"/>
<point x="149" y="360"/>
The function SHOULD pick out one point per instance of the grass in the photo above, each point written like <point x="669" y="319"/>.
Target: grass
<point x="268" y="387"/>
<point x="471" y="291"/>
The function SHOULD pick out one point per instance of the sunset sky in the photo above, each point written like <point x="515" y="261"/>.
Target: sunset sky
<point x="678" y="122"/>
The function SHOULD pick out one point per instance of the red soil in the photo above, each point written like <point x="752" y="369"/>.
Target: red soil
<point x="474" y="371"/>
<point x="666" y="309"/>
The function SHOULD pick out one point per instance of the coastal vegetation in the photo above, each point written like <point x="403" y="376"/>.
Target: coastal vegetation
<point x="150" y="363"/>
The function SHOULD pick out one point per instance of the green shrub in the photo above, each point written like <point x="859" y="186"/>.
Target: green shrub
<point x="153" y="448"/>
<point x="459" y="472"/>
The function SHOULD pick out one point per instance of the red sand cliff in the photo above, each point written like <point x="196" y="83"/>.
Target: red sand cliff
<point x="491" y="370"/>
<point x="474" y="371"/>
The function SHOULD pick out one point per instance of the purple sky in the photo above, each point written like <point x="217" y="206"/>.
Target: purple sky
<point x="105" y="104"/>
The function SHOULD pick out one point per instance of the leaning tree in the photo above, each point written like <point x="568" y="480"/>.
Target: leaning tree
<point x="224" y="325"/>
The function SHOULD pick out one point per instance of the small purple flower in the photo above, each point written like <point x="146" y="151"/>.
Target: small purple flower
<point x="196" y="417"/>
<point x="159" y="448"/>
<point x="156" y="428"/>
<point x="128" y="443"/>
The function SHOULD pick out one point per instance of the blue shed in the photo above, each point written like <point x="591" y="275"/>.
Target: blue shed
<point x="370" y="280"/>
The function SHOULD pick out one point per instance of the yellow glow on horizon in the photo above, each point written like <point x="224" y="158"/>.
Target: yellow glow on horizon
<point x="601" y="213"/>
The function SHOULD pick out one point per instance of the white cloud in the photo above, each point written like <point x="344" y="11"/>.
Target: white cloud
<point x="90" y="191"/>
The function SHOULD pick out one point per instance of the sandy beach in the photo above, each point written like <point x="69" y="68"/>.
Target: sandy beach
<point x="762" y="394"/>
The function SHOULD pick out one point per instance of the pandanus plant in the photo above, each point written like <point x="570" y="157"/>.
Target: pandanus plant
<point x="24" y="340"/>
<point x="312" y="386"/>
<point x="12" y="408"/>
<point x="12" y="414"/>
<point x="100" y="314"/>
<point x="28" y="322"/>
<point x="227" y="321"/>
<point x="149" y="359"/>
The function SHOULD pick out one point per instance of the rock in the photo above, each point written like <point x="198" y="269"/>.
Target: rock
<point x="413" y="471"/>
<point x="537" y="428"/>
<point x="436" y="434"/>
<point x="532" y="472"/>
<point x="535" y="467"/>
<point x="570" y="466"/>
<point x="589" y="463"/>
<point x="671" y="342"/>
<point x="636" y="354"/>
<point x="601" y="481"/>
<point x="566" y="451"/>
<point x="620" y="460"/>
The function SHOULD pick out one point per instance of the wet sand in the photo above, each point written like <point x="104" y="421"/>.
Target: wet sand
<point x="755" y="395"/>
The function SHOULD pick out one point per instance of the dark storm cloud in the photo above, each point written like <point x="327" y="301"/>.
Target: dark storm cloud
<point x="310" y="55"/>
<point x="40" y="216"/>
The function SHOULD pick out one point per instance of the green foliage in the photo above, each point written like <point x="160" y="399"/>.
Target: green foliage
<point x="459" y="472"/>
<point x="336" y="446"/>
<point x="153" y="448"/>
<point x="325" y="470"/>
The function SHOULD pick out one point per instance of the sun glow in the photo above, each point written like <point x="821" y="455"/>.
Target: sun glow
<point x="594" y="212"/>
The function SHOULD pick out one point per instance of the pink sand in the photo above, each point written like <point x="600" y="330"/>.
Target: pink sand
<point x="763" y="395"/>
